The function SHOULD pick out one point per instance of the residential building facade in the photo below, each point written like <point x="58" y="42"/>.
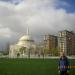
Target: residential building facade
<point x="66" y="42"/>
<point x="50" y="43"/>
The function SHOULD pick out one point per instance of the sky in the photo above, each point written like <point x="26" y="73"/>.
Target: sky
<point x="41" y="16"/>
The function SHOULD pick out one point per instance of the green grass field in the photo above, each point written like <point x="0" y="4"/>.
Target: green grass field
<point x="31" y="67"/>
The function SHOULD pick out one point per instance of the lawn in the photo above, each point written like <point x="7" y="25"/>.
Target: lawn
<point x="31" y="67"/>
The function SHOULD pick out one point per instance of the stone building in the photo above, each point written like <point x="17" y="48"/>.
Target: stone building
<point x="66" y="42"/>
<point x="50" y="44"/>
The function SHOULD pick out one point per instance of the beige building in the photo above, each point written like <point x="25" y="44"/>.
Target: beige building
<point x="66" y="42"/>
<point x="50" y="44"/>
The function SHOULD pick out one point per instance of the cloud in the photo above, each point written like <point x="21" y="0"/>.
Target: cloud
<point x="12" y="1"/>
<point x="5" y="32"/>
<point x="41" y="16"/>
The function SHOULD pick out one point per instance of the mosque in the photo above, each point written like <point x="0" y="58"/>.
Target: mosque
<point x="24" y="48"/>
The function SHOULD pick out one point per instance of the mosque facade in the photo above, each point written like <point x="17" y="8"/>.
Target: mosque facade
<point x="24" y="47"/>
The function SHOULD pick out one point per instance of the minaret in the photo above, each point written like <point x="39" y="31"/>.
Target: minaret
<point x="27" y="30"/>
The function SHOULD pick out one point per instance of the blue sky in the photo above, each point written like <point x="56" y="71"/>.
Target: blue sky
<point x="68" y="5"/>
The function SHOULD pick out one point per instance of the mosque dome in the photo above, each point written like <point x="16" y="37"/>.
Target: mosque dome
<point x="24" y="38"/>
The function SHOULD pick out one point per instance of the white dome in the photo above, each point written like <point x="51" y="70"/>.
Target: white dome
<point x="24" y="38"/>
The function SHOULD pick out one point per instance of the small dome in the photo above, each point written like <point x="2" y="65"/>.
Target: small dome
<point x="24" y="38"/>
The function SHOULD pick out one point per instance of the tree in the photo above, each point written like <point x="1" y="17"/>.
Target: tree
<point x="55" y="51"/>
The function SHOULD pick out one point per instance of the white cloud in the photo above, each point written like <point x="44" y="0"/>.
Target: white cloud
<point x="5" y="32"/>
<point x="40" y="15"/>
